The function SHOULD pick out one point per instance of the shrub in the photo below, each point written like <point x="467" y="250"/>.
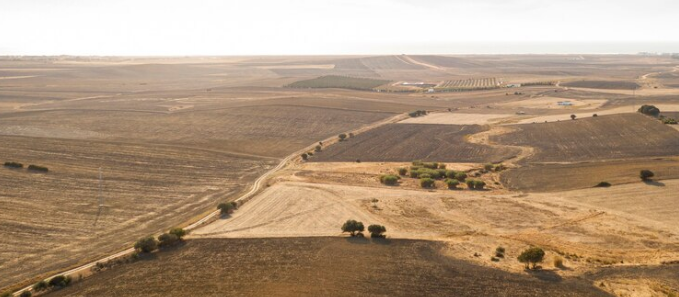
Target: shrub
<point x="146" y="244"/>
<point x="488" y="167"/>
<point x="37" y="168"/>
<point x="318" y="148"/>
<point x="179" y="232"/>
<point x="649" y="110"/>
<point x="479" y="184"/>
<point x="494" y="259"/>
<point x="470" y="184"/>
<point x="432" y="165"/>
<point x="558" y="262"/>
<point x="353" y="226"/>
<point x="417" y="163"/>
<point x="646" y="174"/>
<point x="452" y="183"/>
<point x="414" y="173"/>
<point x="461" y="176"/>
<point x="500" y="252"/>
<point x="595" y="115"/>
<point x="427" y="182"/>
<point x="389" y="179"/>
<point x="425" y="175"/>
<point x="14" y="165"/>
<point x="342" y="137"/>
<point x="304" y="156"/>
<point x="226" y="208"/>
<point x="26" y="294"/>
<point x="441" y="172"/>
<point x="377" y="231"/>
<point x="603" y="184"/>
<point x="532" y="256"/>
<point x="573" y="117"/>
<point x="59" y="281"/>
<point x="417" y="113"/>
<point x="167" y="239"/>
<point x="402" y="171"/>
<point x="310" y="154"/>
<point x="39" y="286"/>
<point x="442" y="166"/>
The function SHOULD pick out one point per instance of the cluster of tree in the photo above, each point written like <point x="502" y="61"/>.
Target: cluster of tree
<point x="149" y="244"/>
<point x="356" y="228"/>
<point x="14" y="165"/>
<point x="227" y="207"/>
<point x="476" y="184"/>
<point x="417" y="113"/>
<point x="38" y="168"/>
<point x="390" y="179"/>
<point x="494" y="167"/>
<point x="57" y="282"/>
<point x="649" y="110"/>
<point x="532" y="256"/>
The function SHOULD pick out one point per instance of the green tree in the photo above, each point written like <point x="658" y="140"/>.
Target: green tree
<point x="646" y="174"/>
<point x="179" y="232"/>
<point x="479" y="184"/>
<point x="452" y="183"/>
<point x="305" y="156"/>
<point x="59" y="281"/>
<point x="470" y="184"/>
<point x="26" y="293"/>
<point x="377" y="231"/>
<point x="353" y="227"/>
<point x="167" y="239"/>
<point x="402" y="171"/>
<point x="532" y="256"/>
<point x="342" y="137"/>
<point x="649" y="110"/>
<point x="488" y="167"/>
<point x="461" y="176"/>
<point x="318" y="148"/>
<point x="146" y="244"/>
<point x="226" y="208"/>
<point x="39" y="286"/>
<point x="573" y="117"/>
<point x="427" y="182"/>
<point x="389" y="179"/>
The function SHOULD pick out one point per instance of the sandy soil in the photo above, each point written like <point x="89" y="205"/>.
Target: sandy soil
<point x="451" y="118"/>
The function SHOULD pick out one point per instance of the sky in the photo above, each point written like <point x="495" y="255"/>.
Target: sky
<point x="317" y="27"/>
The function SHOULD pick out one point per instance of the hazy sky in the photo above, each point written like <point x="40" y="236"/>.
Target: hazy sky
<point x="250" y="27"/>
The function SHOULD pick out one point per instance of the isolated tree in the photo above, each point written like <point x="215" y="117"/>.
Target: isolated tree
<point x="179" y="232"/>
<point x="573" y="117"/>
<point x="167" y="239"/>
<point x="39" y="286"/>
<point x="146" y="245"/>
<point x="59" y="281"/>
<point x="353" y="227"/>
<point x="646" y="174"/>
<point x="649" y="110"/>
<point x="305" y="156"/>
<point x="318" y="148"/>
<point x="226" y="208"/>
<point x="342" y="137"/>
<point x="377" y="231"/>
<point x="532" y="256"/>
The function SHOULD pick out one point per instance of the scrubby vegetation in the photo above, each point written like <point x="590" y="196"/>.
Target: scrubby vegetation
<point x="167" y="239"/>
<point x="304" y="156"/>
<point x="377" y="231"/>
<point x="146" y="244"/>
<point x="340" y="82"/>
<point x="417" y="113"/>
<point x="532" y="256"/>
<point x="342" y="137"/>
<point x="37" y="168"/>
<point x="353" y="227"/>
<point x="59" y="281"/>
<point x="389" y="179"/>
<point x="227" y="207"/>
<point x="475" y="184"/>
<point x="40" y="286"/>
<point x="452" y="183"/>
<point x="558" y="262"/>
<point x="13" y="165"/>
<point x="500" y="252"/>
<point x="649" y="110"/>
<point x="402" y="171"/>
<point x="603" y="184"/>
<point x="427" y="182"/>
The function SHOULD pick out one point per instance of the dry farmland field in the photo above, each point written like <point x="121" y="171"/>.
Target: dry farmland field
<point x="468" y="84"/>
<point x="596" y="138"/>
<point x="340" y="82"/>
<point x="408" y="142"/>
<point x="315" y="267"/>
<point x="597" y="84"/>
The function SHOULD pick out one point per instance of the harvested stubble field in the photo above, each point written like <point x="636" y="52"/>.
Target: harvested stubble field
<point x="408" y="142"/>
<point x="542" y="177"/>
<point x="316" y="267"/>
<point x="52" y="221"/>
<point x="340" y="82"/>
<point x="595" y="138"/>
<point x="600" y="84"/>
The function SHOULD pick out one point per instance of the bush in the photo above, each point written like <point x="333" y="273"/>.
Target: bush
<point x="442" y="166"/>
<point x="417" y="113"/>
<point x="432" y="165"/>
<point x="146" y="244"/>
<point x="603" y="184"/>
<point x="377" y="231"/>
<point x="461" y="176"/>
<point x="532" y="256"/>
<point x="37" y="168"/>
<point x="14" y="165"/>
<point x="402" y="171"/>
<point x="451" y="173"/>
<point x="179" y="232"/>
<point x="441" y="172"/>
<point x="353" y="226"/>
<point x="649" y="110"/>
<point x="427" y="182"/>
<point x="500" y="252"/>
<point x="39" y="286"/>
<point x="226" y="208"/>
<point x="479" y="184"/>
<point x="573" y="117"/>
<point x="488" y="167"/>
<point x="342" y="137"/>
<point x="26" y="294"/>
<point x="558" y="262"/>
<point x="318" y="148"/>
<point x="167" y="239"/>
<point x="304" y="156"/>
<point x="452" y="183"/>
<point x="389" y="179"/>
<point x="470" y="184"/>
<point x="59" y="281"/>
<point x="646" y="174"/>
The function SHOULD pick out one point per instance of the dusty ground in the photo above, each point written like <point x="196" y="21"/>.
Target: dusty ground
<point x="451" y="118"/>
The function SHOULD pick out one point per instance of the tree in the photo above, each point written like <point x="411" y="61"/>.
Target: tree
<point x="461" y="176"/>
<point x="595" y="115"/>
<point x="479" y="184"/>
<point x="353" y="226"/>
<point x="167" y="239"/>
<point x="146" y="244"/>
<point x="226" y="208"/>
<point x="377" y="231"/>
<point x="427" y="182"/>
<point x="59" y="281"/>
<point x="342" y="137"/>
<point x="532" y="256"/>
<point x="452" y="183"/>
<point x="470" y="184"/>
<point x="39" y="286"/>
<point x="389" y="179"/>
<point x="305" y="156"/>
<point x="402" y="171"/>
<point x="646" y="174"/>
<point x="26" y="293"/>
<point x="573" y="117"/>
<point x="318" y="148"/>
<point x="179" y="232"/>
<point x="649" y="110"/>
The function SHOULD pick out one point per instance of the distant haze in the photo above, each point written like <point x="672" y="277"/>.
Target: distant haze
<point x="302" y="27"/>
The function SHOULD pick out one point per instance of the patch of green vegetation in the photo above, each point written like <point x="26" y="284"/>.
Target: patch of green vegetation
<point x="340" y="82"/>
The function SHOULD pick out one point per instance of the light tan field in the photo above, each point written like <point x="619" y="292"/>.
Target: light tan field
<point x="451" y="118"/>
<point x="553" y="103"/>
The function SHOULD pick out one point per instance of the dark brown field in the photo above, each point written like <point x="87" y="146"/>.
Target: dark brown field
<point x="408" y="142"/>
<point x="600" y="84"/>
<point x="596" y="138"/>
<point x="317" y="267"/>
